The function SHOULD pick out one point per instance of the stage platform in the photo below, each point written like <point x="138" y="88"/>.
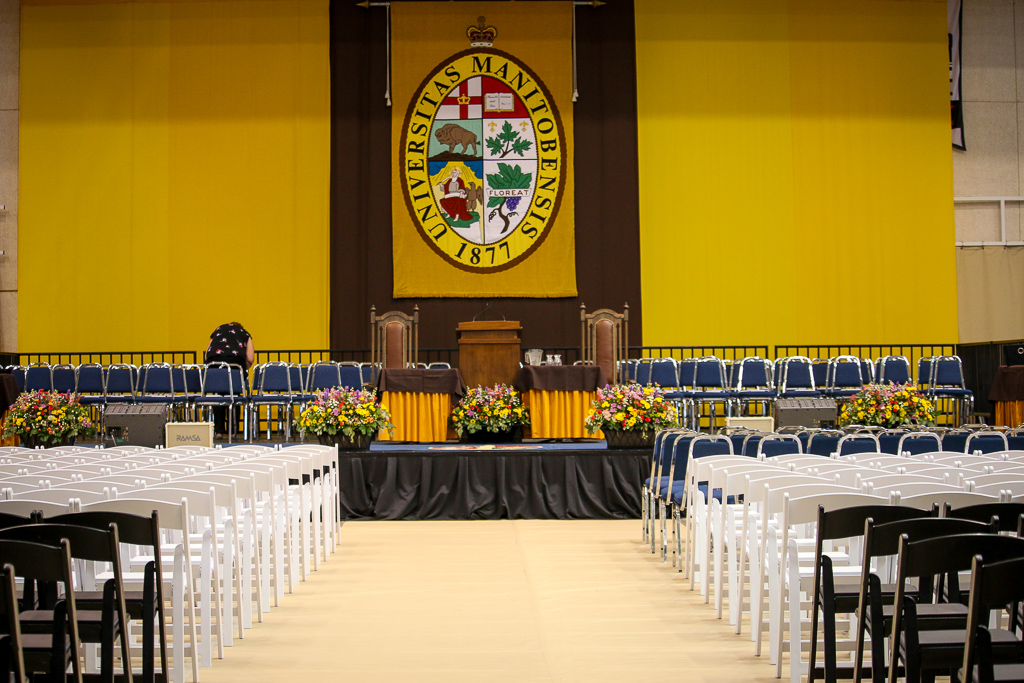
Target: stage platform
<point x="539" y="445"/>
<point x="506" y="481"/>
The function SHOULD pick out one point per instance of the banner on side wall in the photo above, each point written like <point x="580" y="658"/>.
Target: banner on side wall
<point x="955" y="17"/>
<point x="482" y="182"/>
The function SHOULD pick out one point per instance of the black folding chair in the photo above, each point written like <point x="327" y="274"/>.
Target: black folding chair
<point x="829" y="601"/>
<point x="12" y="661"/>
<point x="146" y="605"/>
<point x="938" y="650"/>
<point x="875" y="600"/>
<point x="104" y="625"/>
<point x="993" y="586"/>
<point x="48" y="655"/>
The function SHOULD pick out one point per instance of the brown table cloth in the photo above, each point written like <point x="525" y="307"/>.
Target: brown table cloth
<point x="420" y="402"/>
<point x="1008" y="384"/>
<point x="560" y="378"/>
<point x="1007" y="395"/>
<point x="559" y="398"/>
<point x="8" y="395"/>
<point x="8" y="391"/>
<point x="443" y="381"/>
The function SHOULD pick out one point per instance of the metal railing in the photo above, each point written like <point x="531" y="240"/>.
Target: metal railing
<point x="683" y="352"/>
<point x="913" y="352"/>
<point x="103" y="357"/>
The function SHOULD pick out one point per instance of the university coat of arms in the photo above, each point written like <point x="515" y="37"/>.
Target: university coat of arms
<point x="482" y="158"/>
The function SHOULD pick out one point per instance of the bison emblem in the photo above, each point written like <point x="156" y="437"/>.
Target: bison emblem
<point x="452" y="135"/>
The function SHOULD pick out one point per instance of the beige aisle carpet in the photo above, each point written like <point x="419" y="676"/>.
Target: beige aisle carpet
<point x="492" y="601"/>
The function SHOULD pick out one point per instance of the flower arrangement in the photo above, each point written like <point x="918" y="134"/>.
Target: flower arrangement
<point x="889" y="406"/>
<point x="47" y="418"/>
<point x="348" y="412"/>
<point x="630" y="408"/>
<point x="489" y="409"/>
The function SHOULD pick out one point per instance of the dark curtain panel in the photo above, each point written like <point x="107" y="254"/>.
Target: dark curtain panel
<point x="606" y="180"/>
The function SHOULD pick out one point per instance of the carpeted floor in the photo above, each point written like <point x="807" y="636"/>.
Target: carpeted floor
<point x="492" y="601"/>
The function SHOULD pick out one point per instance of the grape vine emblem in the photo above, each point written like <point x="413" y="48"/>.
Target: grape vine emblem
<point x="507" y="178"/>
<point x="508" y="141"/>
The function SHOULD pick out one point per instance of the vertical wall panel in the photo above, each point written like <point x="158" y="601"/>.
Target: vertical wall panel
<point x="795" y="172"/>
<point x="174" y="175"/>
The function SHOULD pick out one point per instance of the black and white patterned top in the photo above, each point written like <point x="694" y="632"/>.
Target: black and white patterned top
<point x="227" y="344"/>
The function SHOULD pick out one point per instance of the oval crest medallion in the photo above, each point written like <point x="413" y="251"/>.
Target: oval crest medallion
<point x="482" y="159"/>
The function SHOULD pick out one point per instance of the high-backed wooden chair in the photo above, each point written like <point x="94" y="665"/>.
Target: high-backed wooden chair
<point x="606" y="339"/>
<point x="394" y="338"/>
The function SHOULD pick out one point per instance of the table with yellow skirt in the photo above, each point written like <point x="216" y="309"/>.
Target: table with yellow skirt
<point x="420" y="402"/>
<point x="1007" y="395"/>
<point x="559" y="397"/>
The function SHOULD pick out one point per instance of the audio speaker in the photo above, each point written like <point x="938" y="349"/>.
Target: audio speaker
<point x="1013" y="354"/>
<point x="805" y="412"/>
<point x="134" y="425"/>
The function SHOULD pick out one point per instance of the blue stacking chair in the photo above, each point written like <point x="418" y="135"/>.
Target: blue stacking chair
<point x="700" y="446"/>
<point x="710" y="386"/>
<point x="38" y="377"/>
<point x="845" y="377"/>
<point x="673" y="448"/>
<point x="857" y="443"/>
<point x="664" y="373"/>
<point x="797" y="379"/>
<point x="947" y="382"/>
<point x="772" y="445"/>
<point x="367" y="372"/>
<point x="820" y="369"/>
<point x="893" y="370"/>
<point x="986" y="442"/>
<point x="686" y="371"/>
<point x="664" y="442"/>
<point x="916" y="443"/>
<point x="643" y="371"/>
<point x="867" y="371"/>
<point x="435" y="365"/>
<point x="182" y="399"/>
<point x="89" y="384"/>
<point x="156" y="385"/>
<point x="1015" y="440"/>
<point x="193" y="386"/>
<point x="272" y="386"/>
<point x="120" y="385"/>
<point x="955" y="440"/>
<point x="351" y="376"/>
<point x="64" y="378"/>
<point x="298" y="375"/>
<point x="889" y="440"/>
<point x="19" y="376"/>
<point x="738" y="435"/>
<point x="924" y="372"/>
<point x="223" y="385"/>
<point x="754" y="383"/>
<point x="323" y="374"/>
<point x="825" y="442"/>
<point x="750" y="444"/>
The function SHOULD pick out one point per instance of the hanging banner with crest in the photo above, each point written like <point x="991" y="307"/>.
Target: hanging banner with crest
<point x="482" y="186"/>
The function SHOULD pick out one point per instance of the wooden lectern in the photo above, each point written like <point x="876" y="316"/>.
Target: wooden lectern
<point x="489" y="352"/>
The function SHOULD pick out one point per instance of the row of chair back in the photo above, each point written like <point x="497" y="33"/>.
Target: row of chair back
<point x="795" y="375"/>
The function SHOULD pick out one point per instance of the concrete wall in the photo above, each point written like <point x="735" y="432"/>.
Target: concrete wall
<point x="989" y="291"/>
<point x="10" y="12"/>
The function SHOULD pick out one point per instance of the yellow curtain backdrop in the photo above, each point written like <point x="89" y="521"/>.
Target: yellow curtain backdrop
<point x="175" y="160"/>
<point x="536" y="33"/>
<point x="795" y="168"/>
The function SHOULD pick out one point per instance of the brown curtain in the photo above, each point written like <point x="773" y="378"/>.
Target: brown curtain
<point x="607" y="196"/>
